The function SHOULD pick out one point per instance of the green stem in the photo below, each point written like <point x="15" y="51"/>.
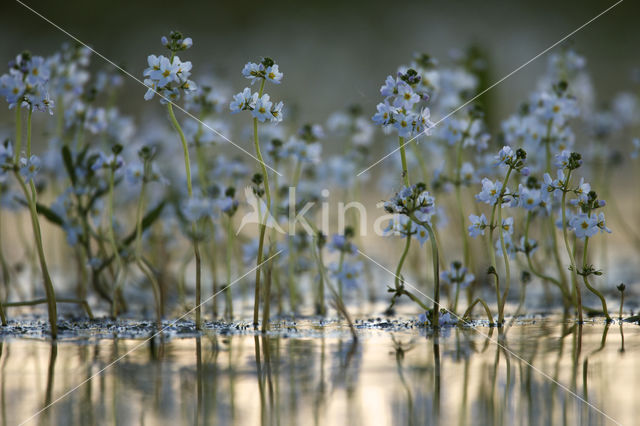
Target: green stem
<point x="340" y="265"/>
<point x="18" y="134"/>
<point x="138" y="250"/>
<point x="436" y="270"/>
<point x="292" y="252"/>
<point x="586" y="280"/>
<point x="552" y="226"/>
<point x="467" y="313"/>
<point x="407" y="245"/>
<point x="48" y="284"/>
<point x="458" y="187"/>
<point x="498" y="206"/>
<point x="229" y="306"/>
<point x="256" y="142"/>
<point x="569" y="251"/>
<point x="196" y="250"/>
<point x="35" y="302"/>
<point x="566" y="296"/>
<point x="403" y="157"/>
<point x="113" y="241"/>
<point x="621" y="304"/>
<point x="507" y="267"/>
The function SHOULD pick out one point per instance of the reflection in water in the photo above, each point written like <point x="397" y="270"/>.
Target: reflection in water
<point x="405" y="377"/>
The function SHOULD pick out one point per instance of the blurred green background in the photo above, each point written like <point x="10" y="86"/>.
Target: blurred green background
<point x="334" y="53"/>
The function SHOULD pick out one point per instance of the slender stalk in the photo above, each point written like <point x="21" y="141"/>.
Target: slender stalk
<point x="436" y="270"/>
<point x="48" y="284"/>
<point x="340" y="266"/>
<point x="565" y="294"/>
<point x="458" y="188"/>
<point x="507" y="267"/>
<point x="621" y="304"/>
<point x="5" y="279"/>
<point x="113" y="241"/>
<point x="569" y="251"/>
<point x="229" y="305"/>
<point x="196" y="250"/>
<point x="407" y="245"/>
<point x="467" y="313"/>
<point x="292" y="252"/>
<point x="586" y="280"/>
<point x="31" y="201"/>
<point x="35" y="302"/>
<point x="339" y="304"/>
<point x="552" y="226"/>
<point x="138" y="250"/>
<point x="403" y="157"/>
<point x="492" y="253"/>
<point x="498" y="207"/>
<point x="18" y="134"/>
<point x="267" y="296"/>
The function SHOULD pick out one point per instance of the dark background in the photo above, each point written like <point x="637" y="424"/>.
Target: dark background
<point x="334" y="53"/>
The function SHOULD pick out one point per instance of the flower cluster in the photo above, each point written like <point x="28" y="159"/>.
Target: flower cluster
<point x="457" y="275"/>
<point x="26" y="84"/>
<point x="414" y="208"/>
<point x="169" y="77"/>
<point x="401" y="109"/>
<point x="347" y="271"/>
<point x="260" y="104"/>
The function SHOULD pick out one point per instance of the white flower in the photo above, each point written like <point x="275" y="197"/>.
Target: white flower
<point x="584" y="225"/>
<point x="276" y="112"/>
<point x="505" y="155"/>
<point x="478" y="225"/>
<point x="253" y="71"/>
<point x="403" y="124"/>
<point x="385" y="114"/>
<point x="490" y="191"/>
<point x="529" y="199"/>
<point x="508" y="244"/>
<point x="244" y="100"/>
<point x="29" y="167"/>
<point x="507" y="225"/>
<point x="389" y="88"/>
<point x="273" y="74"/>
<point x="262" y="110"/>
<point x="406" y="97"/>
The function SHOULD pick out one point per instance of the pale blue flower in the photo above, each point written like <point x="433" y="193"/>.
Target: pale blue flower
<point x="507" y="225"/>
<point x="195" y="208"/>
<point x="135" y="172"/>
<point x="403" y="123"/>
<point x="508" y="243"/>
<point x="253" y="71"/>
<point x="422" y="235"/>
<point x="584" y="225"/>
<point x="601" y="223"/>
<point x="244" y="100"/>
<point x="490" y="191"/>
<point x="385" y="114"/>
<point x="478" y="225"/>
<point x="29" y="167"/>
<point x="273" y="74"/>
<point x="262" y="110"/>
<point x="406" y="97"/>
<point x="276" y="112"/>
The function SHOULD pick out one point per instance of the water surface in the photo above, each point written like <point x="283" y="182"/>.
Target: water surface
<point x="544" y="371"/>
